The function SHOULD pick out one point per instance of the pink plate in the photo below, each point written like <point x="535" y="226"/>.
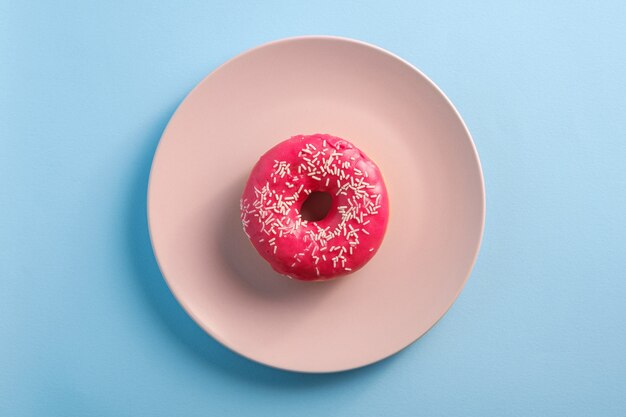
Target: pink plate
<point x="307" y="85"/>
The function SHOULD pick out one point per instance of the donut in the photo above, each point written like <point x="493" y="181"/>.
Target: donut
<point x="315" y="207"/>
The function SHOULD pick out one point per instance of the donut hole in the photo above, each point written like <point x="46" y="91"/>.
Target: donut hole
<point x="316" y="206"/>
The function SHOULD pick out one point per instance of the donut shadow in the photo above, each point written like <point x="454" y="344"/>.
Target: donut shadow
<point x="248" y="267"/>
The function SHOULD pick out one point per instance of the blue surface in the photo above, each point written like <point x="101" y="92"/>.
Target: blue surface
<point x="88" y="326"/>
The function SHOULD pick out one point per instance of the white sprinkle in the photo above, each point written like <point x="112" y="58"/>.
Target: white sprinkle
<point x="275" y="247"/>
<point x="327" y="180"/>
<point x="371" y="249"/>
<point x="365" y="231"/>
<point x="366" y="222"/>
<point x="317" y="271"/>
<point x="315" y="177"/>
<point x="348" y="269"/>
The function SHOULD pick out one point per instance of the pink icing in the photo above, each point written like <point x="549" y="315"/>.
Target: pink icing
<point x="343" y="241"/>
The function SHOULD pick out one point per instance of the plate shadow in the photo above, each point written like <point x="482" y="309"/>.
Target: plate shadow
<point x="153" y="291"/>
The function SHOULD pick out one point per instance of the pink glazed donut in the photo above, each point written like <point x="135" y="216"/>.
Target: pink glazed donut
<point x="315" y="207"/>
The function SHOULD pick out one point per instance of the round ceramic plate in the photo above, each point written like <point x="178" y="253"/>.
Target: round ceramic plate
<point x="307" y="85"/>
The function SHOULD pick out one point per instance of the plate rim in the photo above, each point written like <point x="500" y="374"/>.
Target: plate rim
<point x="347" y="40"/>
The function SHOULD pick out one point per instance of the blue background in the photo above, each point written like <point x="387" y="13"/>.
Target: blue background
<point x="87" y="324"/>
